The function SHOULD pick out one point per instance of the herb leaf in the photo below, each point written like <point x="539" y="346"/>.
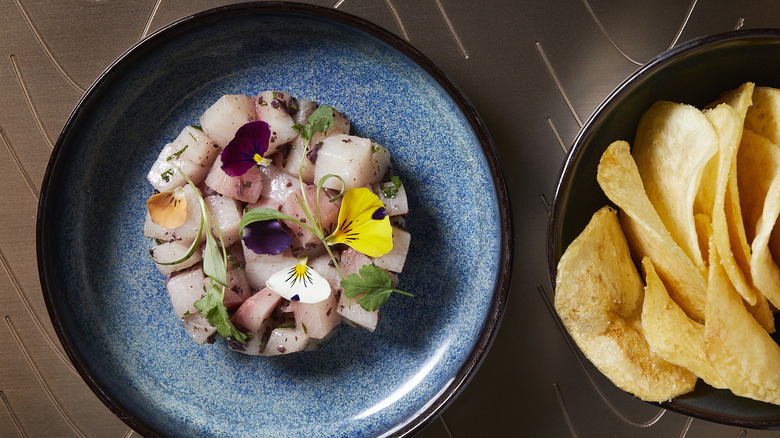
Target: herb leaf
<point x="213" y="263"/>
<point x="216" y="313"/>
<point x="319" y="121"/>
<point x="390" y="188"/>
<point x="375" y="286"/>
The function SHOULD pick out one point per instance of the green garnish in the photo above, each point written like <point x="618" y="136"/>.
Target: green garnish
<point x="178" y="153"/>
<point x="167" y="175"/>
<point x="216" y="313"/>
<point x="374" y="283"/>
<point x="198" y="127"/>
<point x="390" y="188"/>
<point x="320" y="121"/>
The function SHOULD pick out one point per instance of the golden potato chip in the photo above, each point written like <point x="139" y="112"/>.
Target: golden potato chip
<point x="670" y="333"/>
<point x="599" y="297"/>
<point x="713" y="191"/>
<point x="763" y="117"/>
<point x="673" y="144"/>
<point x="619" y="179"/>
<point x="739" y="349"/>
<point x="758" y="173"/>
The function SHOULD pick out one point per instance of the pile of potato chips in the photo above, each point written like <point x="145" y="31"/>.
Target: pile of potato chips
<point x="698" y="197"/>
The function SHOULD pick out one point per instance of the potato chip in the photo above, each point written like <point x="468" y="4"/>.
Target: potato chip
<point x="599" y="297"/>
<point x="739" y="349"/>
<point x="673" y="144"/>
<point x="619" y="179"/>
<point x="713" y="190"/>
<point x="758" y="172"/>
<point x="671" y="334"/>
<point x="763" y="117"/>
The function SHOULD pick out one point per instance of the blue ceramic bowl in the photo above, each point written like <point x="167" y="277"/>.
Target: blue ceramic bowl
<point x="109" y="305"/>
<point x="695" y="73"/>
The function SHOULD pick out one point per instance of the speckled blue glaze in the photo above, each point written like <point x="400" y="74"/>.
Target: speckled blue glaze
<point x="109" y="303"/>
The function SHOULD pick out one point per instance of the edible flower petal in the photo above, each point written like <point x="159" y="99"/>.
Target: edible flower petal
<point x="247" y="148"/>
<point x="363" y="224"/>
<point x="168" y="209"/>
<point x="300" y="283"/>
<point x="266" y="237"/>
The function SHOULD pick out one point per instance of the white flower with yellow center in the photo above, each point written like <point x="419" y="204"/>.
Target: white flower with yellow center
<point x="300" y="283"/>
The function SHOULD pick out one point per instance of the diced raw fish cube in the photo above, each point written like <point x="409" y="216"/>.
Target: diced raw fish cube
<point x="352" y="261"/>
<point x="395" y="259"/>
<point x="192" y="152"/>
<point x="185" y="288"/>
<point x="164" y="174"/>
<point x="254" y="312"/>
<point x="197" y="147"/>
<point x="259" y="267"/>
<point x="273" y="107"/>
<point x="303" y="110"/>
<point x="266" y="202"/>
<point x="395" y="205"/>
<point x="184" y="234"/>
<point x="285" y="340"/>
<point x="291" y="161"/>
<point x="246" y="188"/>
<point x="222" y="119"/>
<point x="198" y="327"/>
<point x="278" y="184"/>
<point x="237" y="290"/>
<point x="380" y="158"/>
<point x="317" y="319"/>
<point x="226" y="213"/>
<point x="348" y="157"/>
<point x="325" y="267"/>
<point x="353" y="313"/>
<point x="329" y="215"/>
<point x="171" y="251"/>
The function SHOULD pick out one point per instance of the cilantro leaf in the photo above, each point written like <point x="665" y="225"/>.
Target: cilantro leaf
<point x="216" y="313"/>
<point x="390" y="188"/>
<point x="319" y="121"/>
<point x="375" y="286"/>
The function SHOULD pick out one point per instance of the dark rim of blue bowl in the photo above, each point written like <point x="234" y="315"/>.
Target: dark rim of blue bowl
<point x="578" y="149"/>
<point x="498" y="304"/>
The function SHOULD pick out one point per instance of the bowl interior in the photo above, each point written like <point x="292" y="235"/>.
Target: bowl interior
<point x="694" y="73"/>
<point x="109" y="304"/>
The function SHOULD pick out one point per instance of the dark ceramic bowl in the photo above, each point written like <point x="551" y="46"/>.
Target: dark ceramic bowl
<point x="109" y="305"/>
<point x="694" y="73"/>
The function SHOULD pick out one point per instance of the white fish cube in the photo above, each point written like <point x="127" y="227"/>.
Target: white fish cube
<point x="273" y="107"/>
<point x="259" y="267"/>
<point x="278" y="184"/>
<point x="185" y="288"/>
<point x="353" y="314"/>
<point x="348" y="157"/>
<point x="246" y="188"/>
<point x="395" y="205"/>
<point x="380" y="157"/>
<point x="222" y="119"/>
<point x="226" y="213"/>
<point x="285" y="340"/>
<point x="395" y="259"/>
<point x="172" y="251"/>
<point x="198" y="327"/>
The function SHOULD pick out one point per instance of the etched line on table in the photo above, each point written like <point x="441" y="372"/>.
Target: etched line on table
<point x="38" y="376"/>
<point x="742" y="433"/>
<point x="583" y="368"/>
<point x="35" y="318"/>
<point x="398" y="19"/>
<point x="129" y="433"/>
<point x="458" y="41"/>
<point x="545" y="202"/>
<point x="614" y="44"/>
<point x="564" y="409"/>
<point x="338" y="3"/>
<point x="148" y="25"/>
<point x="557" y="81"/>
<point x="446" y="426"/>
<point x="46" y="49"/>
<point x="12" y="414"/>
<point x="557" y="136"/>
<point x="686" y="427"/>
<point x="740" y="23"/>
<point x="19" y="164"/>
<point x="27" y="97"/>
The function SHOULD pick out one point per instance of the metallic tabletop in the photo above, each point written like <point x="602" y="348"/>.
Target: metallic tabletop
<point x="535" y="71"/>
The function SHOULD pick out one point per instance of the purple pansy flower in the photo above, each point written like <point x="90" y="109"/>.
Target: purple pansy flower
<point x="246" y="149"/>
<point x="266" y="237"/>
